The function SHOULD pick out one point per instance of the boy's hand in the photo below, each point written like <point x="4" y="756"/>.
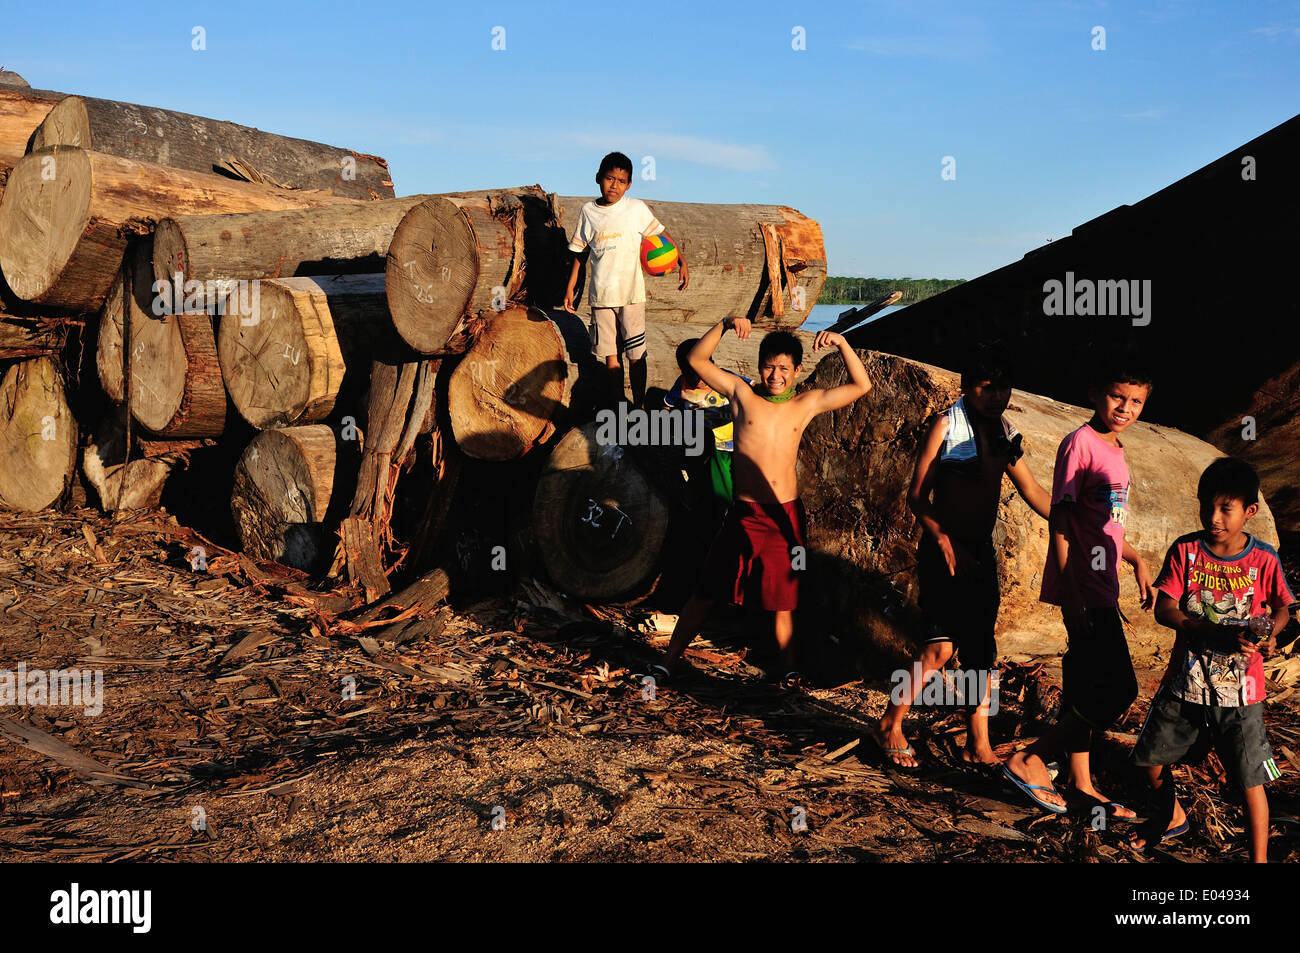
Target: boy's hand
<point x="686" y="278"/>
<point x="568" y="302"/>
<point x="1247" y="646"/>
<point x="949" y="554"/>
<point x="740" y="325"/>
<point x="1146" y="586"/>
<point x="827" y="339"/>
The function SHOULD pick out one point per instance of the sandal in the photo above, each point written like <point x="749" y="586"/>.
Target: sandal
<point x="893" y="754"/>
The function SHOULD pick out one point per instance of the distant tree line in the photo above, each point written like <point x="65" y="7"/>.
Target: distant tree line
<point x="862" y="290"/>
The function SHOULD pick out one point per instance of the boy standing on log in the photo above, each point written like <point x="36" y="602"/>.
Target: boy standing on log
<point x="1090" y="488"/>
<point x="761" y="548"/>
<point x="608" y="235"/>
<point x="967" y="449"/>
<point x="1224" y="593"/>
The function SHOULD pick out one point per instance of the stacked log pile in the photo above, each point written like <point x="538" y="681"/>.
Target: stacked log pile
<point x="387" y="381"/>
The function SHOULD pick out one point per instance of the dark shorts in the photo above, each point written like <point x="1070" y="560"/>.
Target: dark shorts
<point x="1097" y="679"/>
<point x="1178" y="732"/>
<point x="754" y="558"/>
<point x="961" y="609"/>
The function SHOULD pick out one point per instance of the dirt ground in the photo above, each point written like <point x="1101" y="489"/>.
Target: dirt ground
<point x="242" y="722"/>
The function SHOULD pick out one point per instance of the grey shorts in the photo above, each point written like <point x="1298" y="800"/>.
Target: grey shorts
<point x="1177" y="731"/>
<point x="609" y="325"/>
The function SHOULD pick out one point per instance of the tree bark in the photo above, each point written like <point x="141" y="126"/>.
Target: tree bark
<point x="22" y="337"/>
<point x="340" y="239"/>
<point x="285" y="364"/>
<point x="38" y="436"/>
<point x="509" y="387"/>
<point x="209" y="146"/>
<point x="733" y="253"/>
<point x="176" y="386"/>
<point x="282" y="490"/>
<point x="599" y="523"/>
<point x="67" y="214"/>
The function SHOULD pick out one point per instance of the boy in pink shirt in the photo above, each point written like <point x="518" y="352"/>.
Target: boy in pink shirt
<point x="1224" y="593"/>
<point x="1090" y="488"/>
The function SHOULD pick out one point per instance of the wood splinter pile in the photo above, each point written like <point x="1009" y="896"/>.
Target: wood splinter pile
<point x="226" y="281"/>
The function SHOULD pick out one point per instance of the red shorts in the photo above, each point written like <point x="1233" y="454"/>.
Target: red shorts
<point x="755" y="555"/>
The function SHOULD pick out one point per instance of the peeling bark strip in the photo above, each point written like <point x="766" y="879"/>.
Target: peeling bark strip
<point x="210" y="146"/>
<point x="38" y="436"/>
<point x="736" y="254"/>
<point x="32" y="337"/>
<point x="67" y="214"/>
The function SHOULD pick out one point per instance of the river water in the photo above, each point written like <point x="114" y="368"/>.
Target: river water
<point x="824" y="315"/>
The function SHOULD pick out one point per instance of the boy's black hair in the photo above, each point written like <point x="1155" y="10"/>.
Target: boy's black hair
<point x="1231" y="477"/>
<point x="684" y="354"/>
<point x="780" y="342"/>
<point x="1125" y="369"/>
<point x="990" y="362"/>
<point x="615" y="160"/>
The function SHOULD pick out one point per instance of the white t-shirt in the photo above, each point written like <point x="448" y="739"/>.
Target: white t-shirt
<point x="614" y="234"/>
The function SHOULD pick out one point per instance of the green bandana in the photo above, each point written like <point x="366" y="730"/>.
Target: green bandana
<point x="778" y="398"/>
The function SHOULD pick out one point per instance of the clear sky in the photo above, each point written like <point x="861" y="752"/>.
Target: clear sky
<point x="1046" y="132"/>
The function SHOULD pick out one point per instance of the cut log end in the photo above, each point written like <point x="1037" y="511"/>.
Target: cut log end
<point x="176" y="387"/>
<point x="282" y="489"/>
<point x="509" y="387"/>
<point x="38" y="436"/>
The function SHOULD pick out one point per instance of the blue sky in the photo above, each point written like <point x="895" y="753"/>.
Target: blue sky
<point x="1046" y="132"/>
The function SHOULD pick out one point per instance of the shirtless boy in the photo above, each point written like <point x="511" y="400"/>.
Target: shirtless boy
<point x="753" y="557"/>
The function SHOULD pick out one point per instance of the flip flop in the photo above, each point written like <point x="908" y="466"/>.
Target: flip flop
<point x="1029" y="790"/>
<point x="660" y="674"/>
<point x="1168" y="835"/>
<point x="1110" y="806"/>
<point x="792" y="681"/>
<point x="889" y="752"/>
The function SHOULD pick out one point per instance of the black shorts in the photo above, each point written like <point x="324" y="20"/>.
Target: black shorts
<point x="961" y="609"/>
<point x="1097" y="679"/>
<point x="1182" y="732"/>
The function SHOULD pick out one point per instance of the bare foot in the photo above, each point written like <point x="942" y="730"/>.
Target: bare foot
<point x="1030" y="769"/>
<point x="1138" y="839"/>
<point x="978" y="755"/>
<point x="894" y="746"/>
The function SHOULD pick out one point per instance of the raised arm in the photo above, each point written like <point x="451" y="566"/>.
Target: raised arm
<point x="833" y="398"/>
<point x="700" y="357"/>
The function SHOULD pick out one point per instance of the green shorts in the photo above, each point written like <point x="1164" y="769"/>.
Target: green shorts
<point x="1177" y="731"/>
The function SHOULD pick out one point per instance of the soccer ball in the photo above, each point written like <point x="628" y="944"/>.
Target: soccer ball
<point x="658" y="255"/>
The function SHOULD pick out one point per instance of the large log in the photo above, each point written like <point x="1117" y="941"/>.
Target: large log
<point x="282" y="490"/>
<point x="510" y="386"/>
<point x="599" y="522"/>
<point x="38" y="436"/>
<point x="736" y="255"/>
<point x="451" y="258"/>
<point x="21" y="112"/>
<point x="67" y="213"/>
<point x="176" y="386"/>
<point x="196" y="144"/>
<point x="854" y="470"/>
<point x="340" y="239"/>
<point x="285" y="364"/>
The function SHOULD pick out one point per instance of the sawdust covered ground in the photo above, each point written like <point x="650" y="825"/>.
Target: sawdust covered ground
<point x="241" y="722"/>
